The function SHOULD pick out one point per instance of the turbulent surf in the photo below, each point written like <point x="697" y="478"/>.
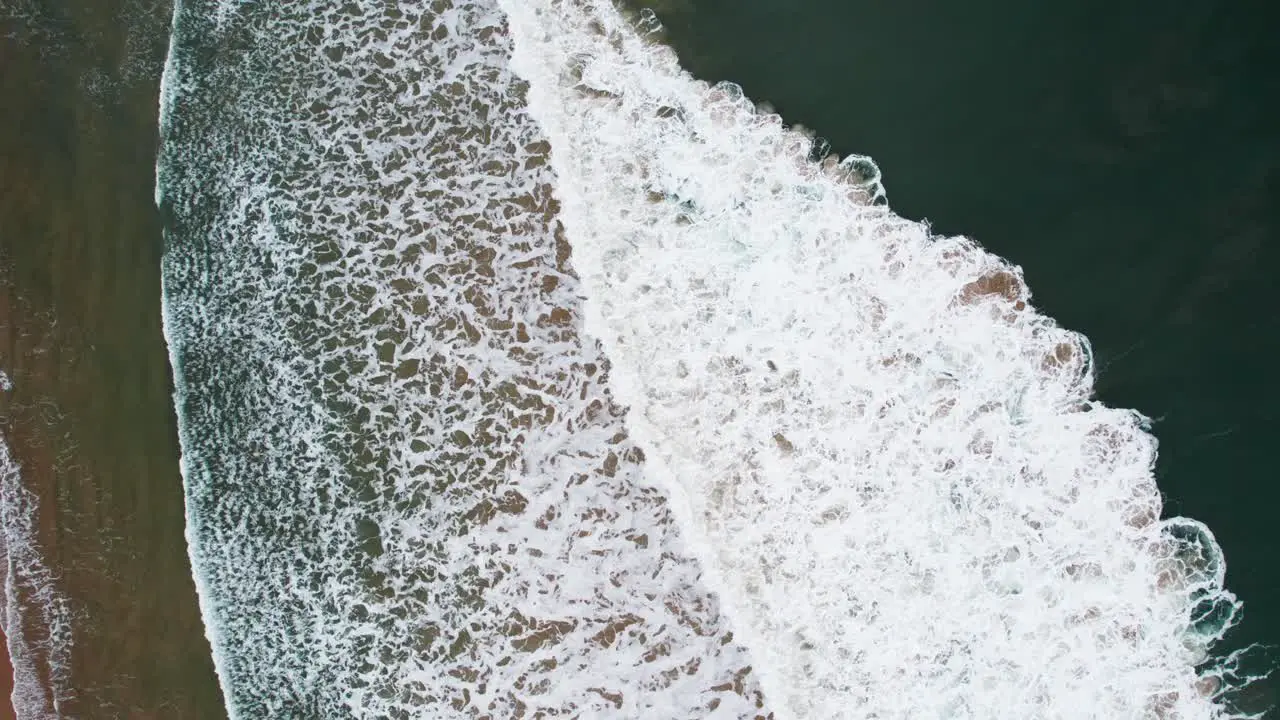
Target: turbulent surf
<point x="409" y="491"/>
<point x="779" y="451"/>
<point x="887" y="461"/>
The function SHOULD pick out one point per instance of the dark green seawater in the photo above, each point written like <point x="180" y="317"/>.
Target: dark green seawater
<point x="1123" y="153"/>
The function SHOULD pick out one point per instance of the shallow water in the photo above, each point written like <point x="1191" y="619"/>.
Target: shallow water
<point x="402" y="453"/>
<point x="100" y="608"/>
<point x="732" y="441"/>
<point x="409" y="489"/>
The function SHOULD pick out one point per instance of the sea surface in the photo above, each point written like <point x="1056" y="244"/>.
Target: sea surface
<point x="1123" y="154"/>
<point x="99" y="608"/>
<point x="517" y="372"/>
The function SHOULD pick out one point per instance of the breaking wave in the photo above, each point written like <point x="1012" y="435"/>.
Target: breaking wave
<point x="887" y="462"/>
<point x="412" y="485"/>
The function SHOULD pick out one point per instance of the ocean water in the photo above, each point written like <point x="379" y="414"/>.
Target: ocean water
<point x="1133" y="183"/>
<point x="886" y="460"/>
<point x="409" y="490"/>
<point x="98" y="607"/>
<point x="520" y="374"/>
<point x="37" y="615"/>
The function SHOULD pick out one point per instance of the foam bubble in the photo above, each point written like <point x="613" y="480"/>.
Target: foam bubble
<point x="888" y="463"/>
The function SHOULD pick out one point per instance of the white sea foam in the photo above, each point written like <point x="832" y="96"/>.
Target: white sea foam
<point x="886" y="460"/>
<point x="35" y="616"/>
<point x="409" y="493"/>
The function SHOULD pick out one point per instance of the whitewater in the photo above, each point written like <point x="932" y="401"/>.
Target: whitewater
<point x="35" y="615"/>
<point x="409" y="491"/>
<point x="520" y="374"/>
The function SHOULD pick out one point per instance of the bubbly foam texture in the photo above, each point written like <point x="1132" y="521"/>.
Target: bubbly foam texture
<point x="886" y="460"/>
<point x="36" y="617"/>
<point x="409" y="492"/>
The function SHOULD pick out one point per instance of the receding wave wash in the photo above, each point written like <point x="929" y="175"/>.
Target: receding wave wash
<point x="35" y="616"/>
<point x="521" y="375"/>
<point x="409" y="490"/>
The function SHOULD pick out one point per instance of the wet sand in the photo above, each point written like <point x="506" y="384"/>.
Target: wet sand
<point x="90" y="416"/>
<point x="6" y="680"/>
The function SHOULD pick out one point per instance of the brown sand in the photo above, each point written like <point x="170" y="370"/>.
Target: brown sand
<point x="90" y="418"/>
<point x="6" y="680"/>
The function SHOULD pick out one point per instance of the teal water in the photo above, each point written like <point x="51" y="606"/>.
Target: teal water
<point x="1124" y="154"/>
